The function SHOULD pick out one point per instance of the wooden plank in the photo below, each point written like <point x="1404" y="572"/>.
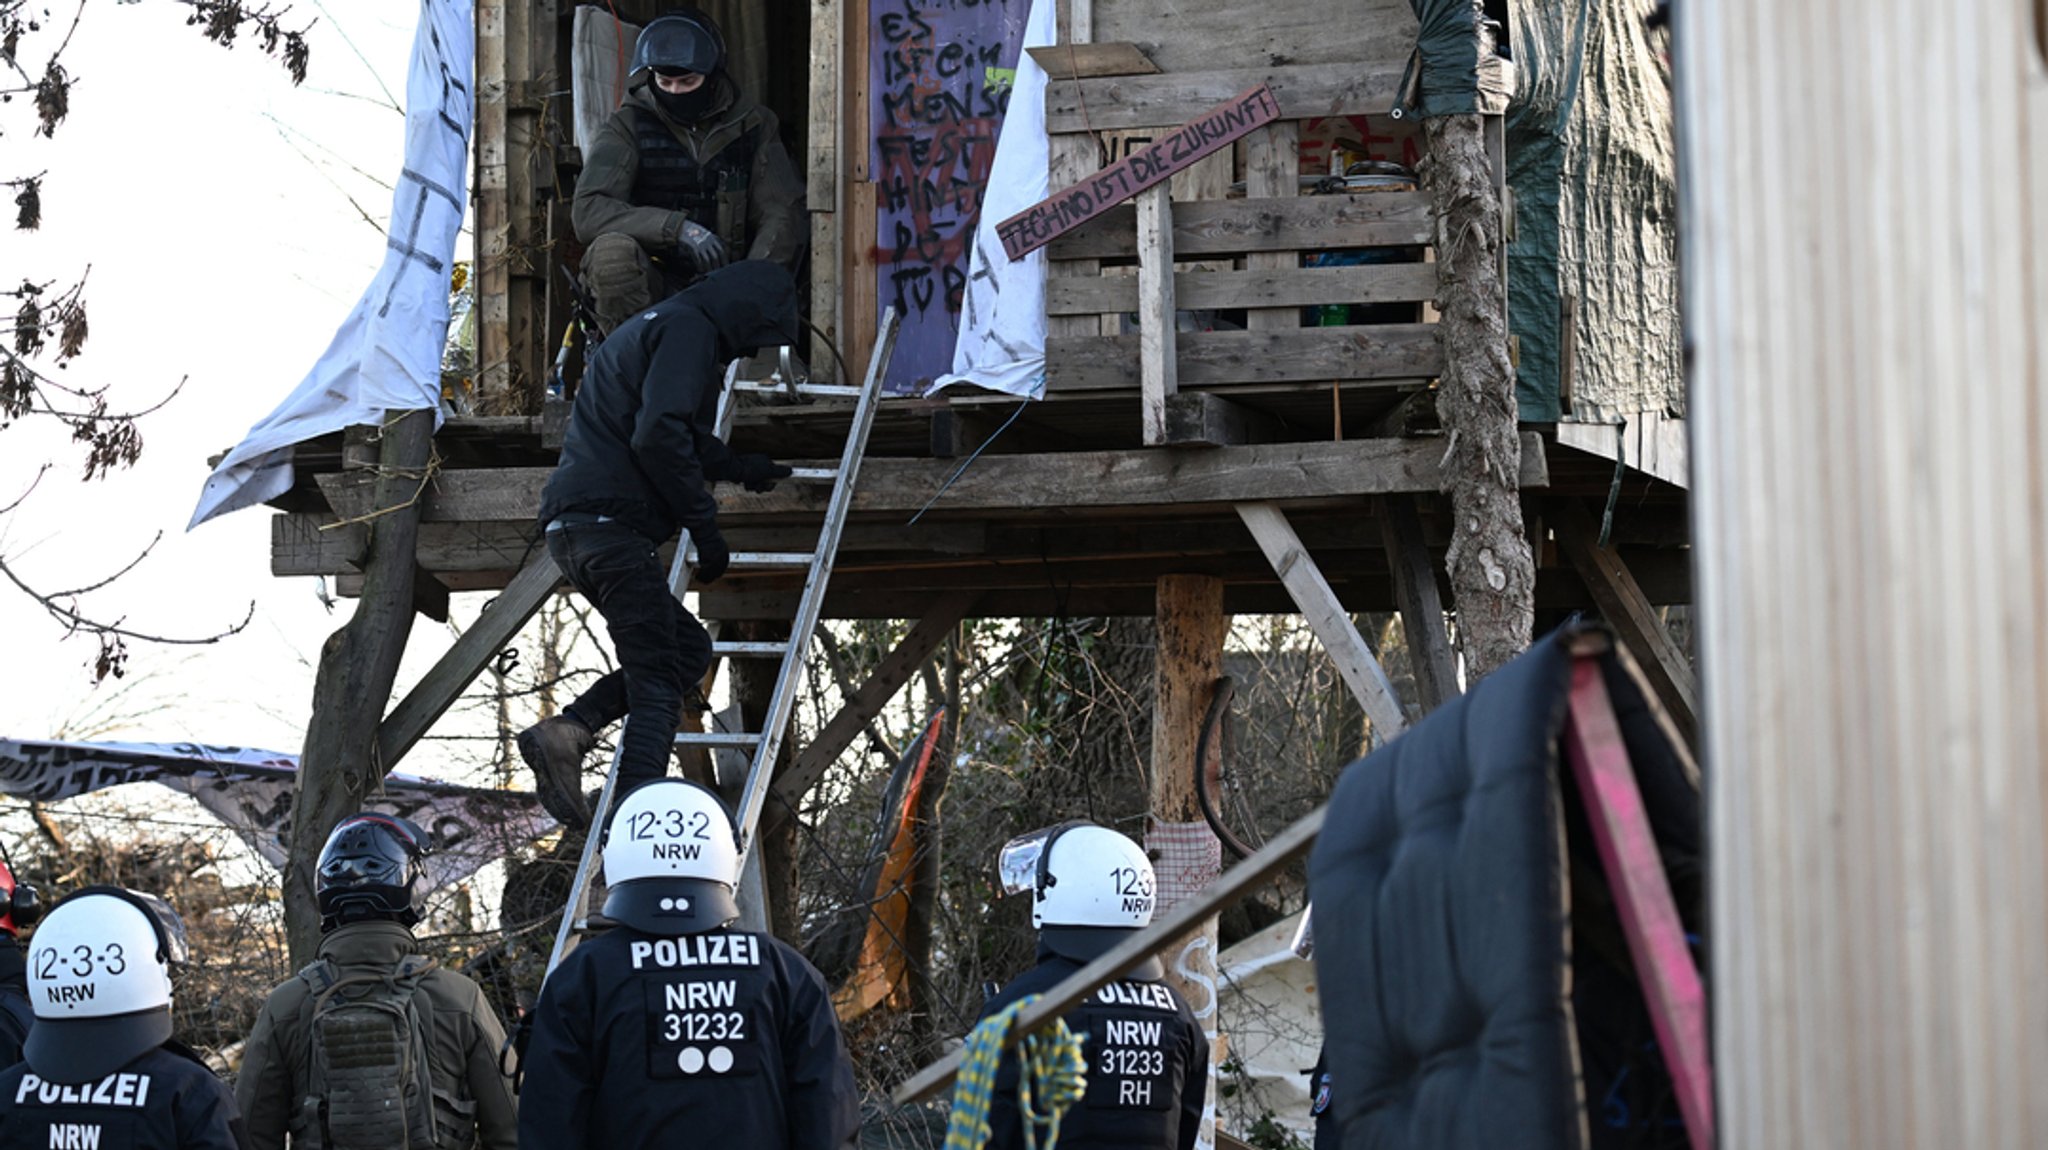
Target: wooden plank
<point x="1231" y="886"/>
<point x="1202" y="135"/>
<point x="1421" y="602"/>
<point x="1039" y="482"/>
<point x="1229" y="227"/>
<point x="1183" y="35"/>
<point x="896" y="668"/>
<point x="1204" y="419"/>
<point x="1642" y="895"/>
<point x="1314" y="355"/>
<point x="1070" y="60"/>
<point x="821" y="185"/>
<point x="1285" y="289"/>
<point x="443" y="683"/>
<point x="1171" y="98"/>
<point x="493" y="206"/>
<point x="1625" y="607"/>
<point x="1325" y="615"/>
<point x="1272" y="167"/>
<point x="1158" y="374"/>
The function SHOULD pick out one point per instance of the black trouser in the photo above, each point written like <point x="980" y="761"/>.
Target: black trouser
<point x="661" y="647"/>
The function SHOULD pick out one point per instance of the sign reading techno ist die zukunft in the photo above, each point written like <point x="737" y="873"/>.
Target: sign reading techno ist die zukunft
<point x="1063" y="211"/>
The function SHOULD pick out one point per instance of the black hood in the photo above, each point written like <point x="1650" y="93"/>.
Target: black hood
<point x="752" y="303"/>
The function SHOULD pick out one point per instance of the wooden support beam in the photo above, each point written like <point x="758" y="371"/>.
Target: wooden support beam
<point x="1233" y="885"/>
<point x="1158" y="366"/>
<point x="895" y="669"/>
<point x="1204" y="419"/>
<point x="1620" y="601"/>
<point x="456" y="670"/>
<point x="1274" y="287"/>
<point x="1041" y="483"/>
<point x="1170" y="99"/>
<point x="1326" y="616"/>
<point x="1191" y="627"/>
<point x="1272" y="167"/>
<point x="1403" y="354"/>
<point x="1422" y="605"/>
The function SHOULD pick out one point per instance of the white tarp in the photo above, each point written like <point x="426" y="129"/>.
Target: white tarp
<point x="1266" y="1006"/>
<point x="250" y="791"/>
<point x="387" y="355"/>
<point x="1002" y="313"/>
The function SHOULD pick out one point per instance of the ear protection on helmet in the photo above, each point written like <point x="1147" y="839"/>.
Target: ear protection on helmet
<point x="24" y="904"/>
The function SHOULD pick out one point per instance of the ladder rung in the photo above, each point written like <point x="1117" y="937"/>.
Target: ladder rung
<point x="823" y="390"/>
<point x="759" y="650"/>
<point x="772" y="559"/>
<point x="737" y="739"/>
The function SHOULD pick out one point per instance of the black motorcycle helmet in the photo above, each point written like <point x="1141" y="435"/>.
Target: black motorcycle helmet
<point x="371" y="868"/>
<point x="684" y="41"/>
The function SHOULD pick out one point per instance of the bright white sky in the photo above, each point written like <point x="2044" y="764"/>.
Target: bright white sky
<point x="222" y="213"/>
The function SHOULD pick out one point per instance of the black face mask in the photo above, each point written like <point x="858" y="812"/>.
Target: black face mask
<point x="689" y="107"/>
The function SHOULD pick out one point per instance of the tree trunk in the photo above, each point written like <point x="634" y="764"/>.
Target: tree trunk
<point x="1493" y="575"/>
<point x="919" y="923"/>
<point x="338" y="769"/>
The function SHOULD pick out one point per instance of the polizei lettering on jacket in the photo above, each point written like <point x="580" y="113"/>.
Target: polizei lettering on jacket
<point x="1154" y="995"/>
<point x="696" y="950"/>
<point x="130" y="1090"/>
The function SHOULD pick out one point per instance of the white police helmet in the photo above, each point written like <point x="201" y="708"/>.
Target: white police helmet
<point x="1091" y="887"/>
<point x="99" y="975"/>
<point x="671" y="858"/>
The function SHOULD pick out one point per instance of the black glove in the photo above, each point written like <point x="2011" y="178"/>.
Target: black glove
<point x="758" y="472"/>
<point x="701" y="247"/>
<point x="712" y="554"/>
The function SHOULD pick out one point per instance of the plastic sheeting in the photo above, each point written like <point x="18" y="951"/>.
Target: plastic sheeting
<point x="1592" y="164"/>
<point x="1460" y="72"/>
<point x="1002" y="320"/>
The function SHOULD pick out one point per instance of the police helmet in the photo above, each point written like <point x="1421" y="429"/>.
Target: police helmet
<point x="671" y="857"/>
<point x="371" y="868"/>
<point x="680" y="41"/>
<point x="1091" y="888"/>
<point x="99" y="980"/>
<point x="20" y="905"/>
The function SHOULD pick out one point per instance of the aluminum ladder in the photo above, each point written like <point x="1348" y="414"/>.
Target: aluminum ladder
<point x="761" y="746"/>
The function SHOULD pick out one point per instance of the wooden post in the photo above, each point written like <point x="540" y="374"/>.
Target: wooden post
<point x="1272" y="167"/>
<point x="1422" y="606"/>
<point x="1191" y="626"/>
<point x="339" y="766"/>
<point x="1072" y="156"/>
<point x="1868" y="427"/>
<point x="1158" y="374"/>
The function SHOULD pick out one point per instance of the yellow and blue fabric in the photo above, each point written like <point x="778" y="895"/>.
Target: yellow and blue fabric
<point x="1054" y="1075"/>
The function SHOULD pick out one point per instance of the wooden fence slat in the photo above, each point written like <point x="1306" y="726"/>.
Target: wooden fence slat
<point x="1282" y="288"/>
<point x="1309" y="355"/>
<point x="1230" y="227"/>
<point x="1170" y="99"/>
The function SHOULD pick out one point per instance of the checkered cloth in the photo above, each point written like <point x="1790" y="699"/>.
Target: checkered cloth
<point x="1054" y="1073"/>
<point x="1186" y="858"/>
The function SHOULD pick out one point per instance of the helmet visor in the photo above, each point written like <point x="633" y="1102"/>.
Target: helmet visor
<point x="1017" y="862"/>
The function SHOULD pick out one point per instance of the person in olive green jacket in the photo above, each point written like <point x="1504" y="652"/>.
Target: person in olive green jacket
<point x="688" y="175"/>
<point x="304" y="1068"/>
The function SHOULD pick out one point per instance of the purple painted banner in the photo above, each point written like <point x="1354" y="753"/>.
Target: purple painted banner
<point x="940" y="73"/>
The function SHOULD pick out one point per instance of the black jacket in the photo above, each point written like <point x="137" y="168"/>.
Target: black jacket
<point x="640" y="442"/>
<point x="166" y="1099"/>
<point x="16" y="1014"/>
<point x="1148" y="1066"/>
<point x="726" y="1037"/>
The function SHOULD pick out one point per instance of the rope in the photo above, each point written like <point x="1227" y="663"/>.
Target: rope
<point x="1053" y="1072"/>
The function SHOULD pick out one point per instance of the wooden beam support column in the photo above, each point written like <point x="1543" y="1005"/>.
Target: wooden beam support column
<point x="1422" y="605"/>
<point x="1158" y="372"/>
<point x="1272" y="167"/>
<point x="1622" y="603"/>
<point x="1191" y="626"/>
<point x="1325" y="616"/>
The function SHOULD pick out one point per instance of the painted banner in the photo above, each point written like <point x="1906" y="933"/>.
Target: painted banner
<point x="1064" y="211"/>
<point x="250" y="791"/>
<point x="940" y="74"/>
<point x="386" y="357"/>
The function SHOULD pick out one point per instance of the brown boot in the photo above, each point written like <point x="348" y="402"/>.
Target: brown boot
<point x="554" y="748"/>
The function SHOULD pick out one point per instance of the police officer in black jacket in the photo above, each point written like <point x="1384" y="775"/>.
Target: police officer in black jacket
<point x="1148" y="1063"/>
<point x="672" y="1028"/>
<point x="19" y="907"/>
<point x="636" y="462"/>
<point x="102" y="1070"/>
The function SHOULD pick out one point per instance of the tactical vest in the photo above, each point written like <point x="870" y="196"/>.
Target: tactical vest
<point x="712" y="193"/>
